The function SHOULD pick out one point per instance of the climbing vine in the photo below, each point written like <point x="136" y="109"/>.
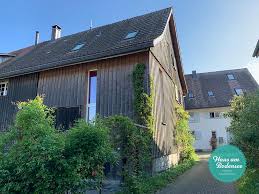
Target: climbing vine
<point x="184" y="138"/>
<point x="143" y="103"/>
<point x="142" y="100"/>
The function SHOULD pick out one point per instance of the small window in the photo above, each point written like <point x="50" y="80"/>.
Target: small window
<point x="131" y="35"/>
<point x="210" y="93"/>
<point x="3" y="88"/>
<point x="214" y="115"/>
<point x="92" y="91"/>
<point x="221" y="140"/>
<point x="190" y="94"/>
<point x="239" y="91"/>
<point x="230" y="76"/>
<point x="77" y="47"/>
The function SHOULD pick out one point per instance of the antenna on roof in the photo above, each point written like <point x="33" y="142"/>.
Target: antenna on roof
<point x="91" y="25"/>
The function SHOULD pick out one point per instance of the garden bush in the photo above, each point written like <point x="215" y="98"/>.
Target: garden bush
<point x="245" y="126"/>
<point x="244" y="131"/>
<point x="37" y="158"/>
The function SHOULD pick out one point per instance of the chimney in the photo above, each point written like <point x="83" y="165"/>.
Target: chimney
<point x="194" y="74"/>
<point x="56" y="32"/>
<point x="37" y="37"/>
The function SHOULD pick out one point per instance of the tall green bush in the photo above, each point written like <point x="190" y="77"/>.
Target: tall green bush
<point x="87" y="148"/>
<point x="244" y="128"/>
<point x="37" y="158"/>
<point x="131" y="143"/>
<point x="184" y="138"/>
<point x="33" y="162"/>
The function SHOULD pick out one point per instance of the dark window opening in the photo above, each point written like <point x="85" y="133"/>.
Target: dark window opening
<point x="66" y="117"/>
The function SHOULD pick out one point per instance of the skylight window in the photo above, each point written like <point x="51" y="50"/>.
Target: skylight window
<point x="230" y="76"/>
<point x="190" y="94"/>
<point x="239" y="91"/>
<point x="131" y="35"/>
<point x="210" y="93"/>
<point x="78" y="46"/>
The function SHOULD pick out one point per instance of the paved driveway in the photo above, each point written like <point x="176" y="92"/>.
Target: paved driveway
<point x="198" y="180"/>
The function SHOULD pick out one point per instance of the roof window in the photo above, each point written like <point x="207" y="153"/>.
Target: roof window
<point x="190" y="94"/>
<point x="239" y="91"/>
<point x="78" y="46"/>
<point x="210" y="93"/>
<point x="131" y="35"/>
<point x="230" y="76"/>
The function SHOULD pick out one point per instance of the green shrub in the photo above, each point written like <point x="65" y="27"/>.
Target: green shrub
<point x="37" y="158"/>
<point x="249" y="182"/>
<point x="184" y="138"/>
<point x="88" y="147"/>
<point x="131" y="143"/>
<point x="142" y="185"/>
<point x="245" y="126"/>
<point x="33" y="162"/>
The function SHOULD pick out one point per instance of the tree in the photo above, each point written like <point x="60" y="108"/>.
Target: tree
<point x="244" y="114"/>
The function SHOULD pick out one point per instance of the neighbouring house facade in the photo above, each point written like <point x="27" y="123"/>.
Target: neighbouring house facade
<point x="208" y="98"/>
<point x="90" y="73"/>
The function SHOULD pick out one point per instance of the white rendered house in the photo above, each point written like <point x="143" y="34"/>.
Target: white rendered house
<point x="209" y="96"/>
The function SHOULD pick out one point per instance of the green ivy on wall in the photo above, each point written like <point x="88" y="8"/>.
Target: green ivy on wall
<point x="143" y="101"/>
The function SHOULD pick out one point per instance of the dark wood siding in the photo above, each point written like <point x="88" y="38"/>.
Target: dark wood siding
<point x="67" y="87"/>
<point x="115" y="86"/>
<point x="19" y="89"/>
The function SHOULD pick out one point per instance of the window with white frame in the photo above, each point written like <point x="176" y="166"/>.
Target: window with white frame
<point x="92" y="90"/>
<point x="3" y="88"/>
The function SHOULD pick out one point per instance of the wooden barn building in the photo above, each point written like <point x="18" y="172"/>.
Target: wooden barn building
<point x="90" y="73"/>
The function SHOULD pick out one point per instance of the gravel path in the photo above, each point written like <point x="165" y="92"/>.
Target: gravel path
<point x="198" y="180"/>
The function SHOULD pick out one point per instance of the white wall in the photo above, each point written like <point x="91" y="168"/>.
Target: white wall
<point x="203" y="125"/>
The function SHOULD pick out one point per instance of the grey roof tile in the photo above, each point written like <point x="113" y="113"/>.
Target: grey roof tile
<point x="218" y="83"/>
<point x="100" y="42"/>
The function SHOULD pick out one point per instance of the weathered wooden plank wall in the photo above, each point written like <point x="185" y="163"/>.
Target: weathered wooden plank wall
<point x="115" y="94"/>
<point x="19" y="89"/>
<point x="67" y="87"/>
<point x="165" y="76"/>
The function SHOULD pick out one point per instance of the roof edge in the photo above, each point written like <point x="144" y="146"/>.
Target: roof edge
<point x="256" y="51"/>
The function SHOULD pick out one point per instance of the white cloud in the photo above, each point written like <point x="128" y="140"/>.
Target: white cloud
<point x="253" y="67"/>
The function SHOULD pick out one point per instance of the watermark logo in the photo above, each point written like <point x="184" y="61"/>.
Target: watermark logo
<point x="227" y="163"/>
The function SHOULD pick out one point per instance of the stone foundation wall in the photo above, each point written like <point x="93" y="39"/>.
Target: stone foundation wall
<point x="165" y="162"/>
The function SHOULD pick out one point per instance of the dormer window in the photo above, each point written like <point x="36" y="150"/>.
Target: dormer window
<point x="3" y="88"/>
<point x="78" y="46"/>
<point x="131" y="35"/>
<point x="230" y="76"/>
<point x="210" y="93"/>
<point x="190" y="94"/>
<point x="5" y="57"/>
<point x="239" y="91"/>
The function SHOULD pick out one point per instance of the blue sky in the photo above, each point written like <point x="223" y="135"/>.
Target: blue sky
<point x="213" y="34"/>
